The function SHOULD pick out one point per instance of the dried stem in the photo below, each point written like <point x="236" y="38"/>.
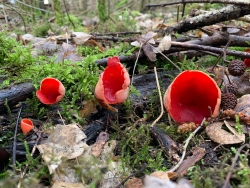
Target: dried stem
<point x="159" y="91"/>
<point x="185" y="146"/>
<point x="233" y="164"/>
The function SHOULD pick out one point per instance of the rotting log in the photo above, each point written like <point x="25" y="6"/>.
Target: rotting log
<point x="15" y="94"/>
<point x="210" y="18"/>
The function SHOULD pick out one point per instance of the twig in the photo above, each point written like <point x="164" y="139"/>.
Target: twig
<point x="224" y="59"/>
<point x="165" y="57"/>
<point x="132" y="79"/>
<point x="117" y="33"/>
<point x="225" y="185"/>
<point x="15" y="139"/>
<point x="185" y="146"/>
<point x="238" y="2"/>
<point x="72" y="23"/>
<point x="5" y="16"/>
<point x="25" y="29"/>
<point x="33" y="7"/>
<point x="211" y="49"/>
<point x="159" y="91"/>
<point x="60" y="116"/>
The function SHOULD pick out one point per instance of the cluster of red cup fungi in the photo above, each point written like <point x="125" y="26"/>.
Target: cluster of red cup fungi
<point x="192" y="96"/>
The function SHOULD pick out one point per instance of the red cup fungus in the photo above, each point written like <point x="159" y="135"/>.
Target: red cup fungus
<point x="51" y="91"/>
<point x="26" y="125"/>
<point x="189" y="97"/>
<point x="113" y="84"/>
<point x="247" y="60"/>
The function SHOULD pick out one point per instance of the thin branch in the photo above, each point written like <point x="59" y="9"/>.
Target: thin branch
<point x="185" y="146"/>
<point x="233" y="165"/>
<point x="211" y="49"/>
<point x="132" y="79"/>
<point x="15" y="140"/>
<point x="238" y="2"/>
<point x="159" y="91"/>
<point x="33" y="7"/>
<point x="25" y="29"/>
<point x="70" y="20"/>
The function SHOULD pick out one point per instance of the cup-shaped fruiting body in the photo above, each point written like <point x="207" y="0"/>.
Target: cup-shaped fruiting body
<point x="26" y="125"/>
<point x="192" y="96"/>
<point x="113" y="84"/>
<point x="51" y="91"/>
<point x="247" y="60"/>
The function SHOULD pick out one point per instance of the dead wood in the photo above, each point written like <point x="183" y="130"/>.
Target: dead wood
<point x="221" y="38"/>
<point x="15" y="94"/>
<point x="238" y="2"/>
<point x="168" y="145"/>
<point x="211" y="49"/>
<point x="198" y="154"/>
<point x="209" y="18"/>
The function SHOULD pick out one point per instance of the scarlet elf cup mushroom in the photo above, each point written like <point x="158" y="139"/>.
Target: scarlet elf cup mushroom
<point x="113" y="84"/>
<point x="192" y="96"/>
<point x="26" y="125"/>
<point x="51" y="91"/>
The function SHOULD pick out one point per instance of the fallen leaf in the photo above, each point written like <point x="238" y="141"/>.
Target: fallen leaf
<point x="97" y="147"/>
<point x="221" y="136"/>
<point x="243" y="82"/>
<point x="80" y="37"/>
<point x="63" y="141"/>
<point x="197" y="154"/>
<point x="149" y="52"/>
<point x="161" y="175"/>
<point x="164" y="44"/>
<point x="134" y="183"/>
<point x="93" y="43"/>
<point x="154" y="182"/>
<point x="58" y="184"/>
<point x="88" y="108"/>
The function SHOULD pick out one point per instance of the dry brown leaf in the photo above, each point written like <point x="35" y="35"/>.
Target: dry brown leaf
<point x="63" y="141"/>
<point x="149" y="52"/>
<point x="218" y="74"/>
<point x="93" y="43"/>
<point x="88" y="108"/>
<point x="243" y="103"/>
<point x="197" y="155"/>
<point x="58" y="184"/>
<point x="221" y="136"/>
<point x="161" y="175"/>
<point x="134" y="183"/>
<point x="80" y="37"/>
<point x="241" y="81"/>
<point x="97" y="147"/>
<point x="165" y="44"/>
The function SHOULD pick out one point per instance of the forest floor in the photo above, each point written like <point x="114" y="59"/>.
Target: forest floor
<point x="140" y="100"/>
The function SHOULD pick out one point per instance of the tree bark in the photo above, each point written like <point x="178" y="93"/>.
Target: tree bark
<point x="15" y="94"/>
<point x="209" y="18"/>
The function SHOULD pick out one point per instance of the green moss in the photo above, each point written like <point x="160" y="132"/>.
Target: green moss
<point x="42" y="30"/>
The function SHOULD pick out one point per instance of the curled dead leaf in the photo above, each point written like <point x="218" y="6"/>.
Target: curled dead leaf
<point x="165" y="44"/>
<point x="221" y="136"/>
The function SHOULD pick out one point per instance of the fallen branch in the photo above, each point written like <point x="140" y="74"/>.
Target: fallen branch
<point x="209" y="18"/>
<point x="225" y="185"/>
<point x="238" y="2"/>
<point x="185" y="146"/>
<point x="210" y="49"/>
<point x="15" y="94"/>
